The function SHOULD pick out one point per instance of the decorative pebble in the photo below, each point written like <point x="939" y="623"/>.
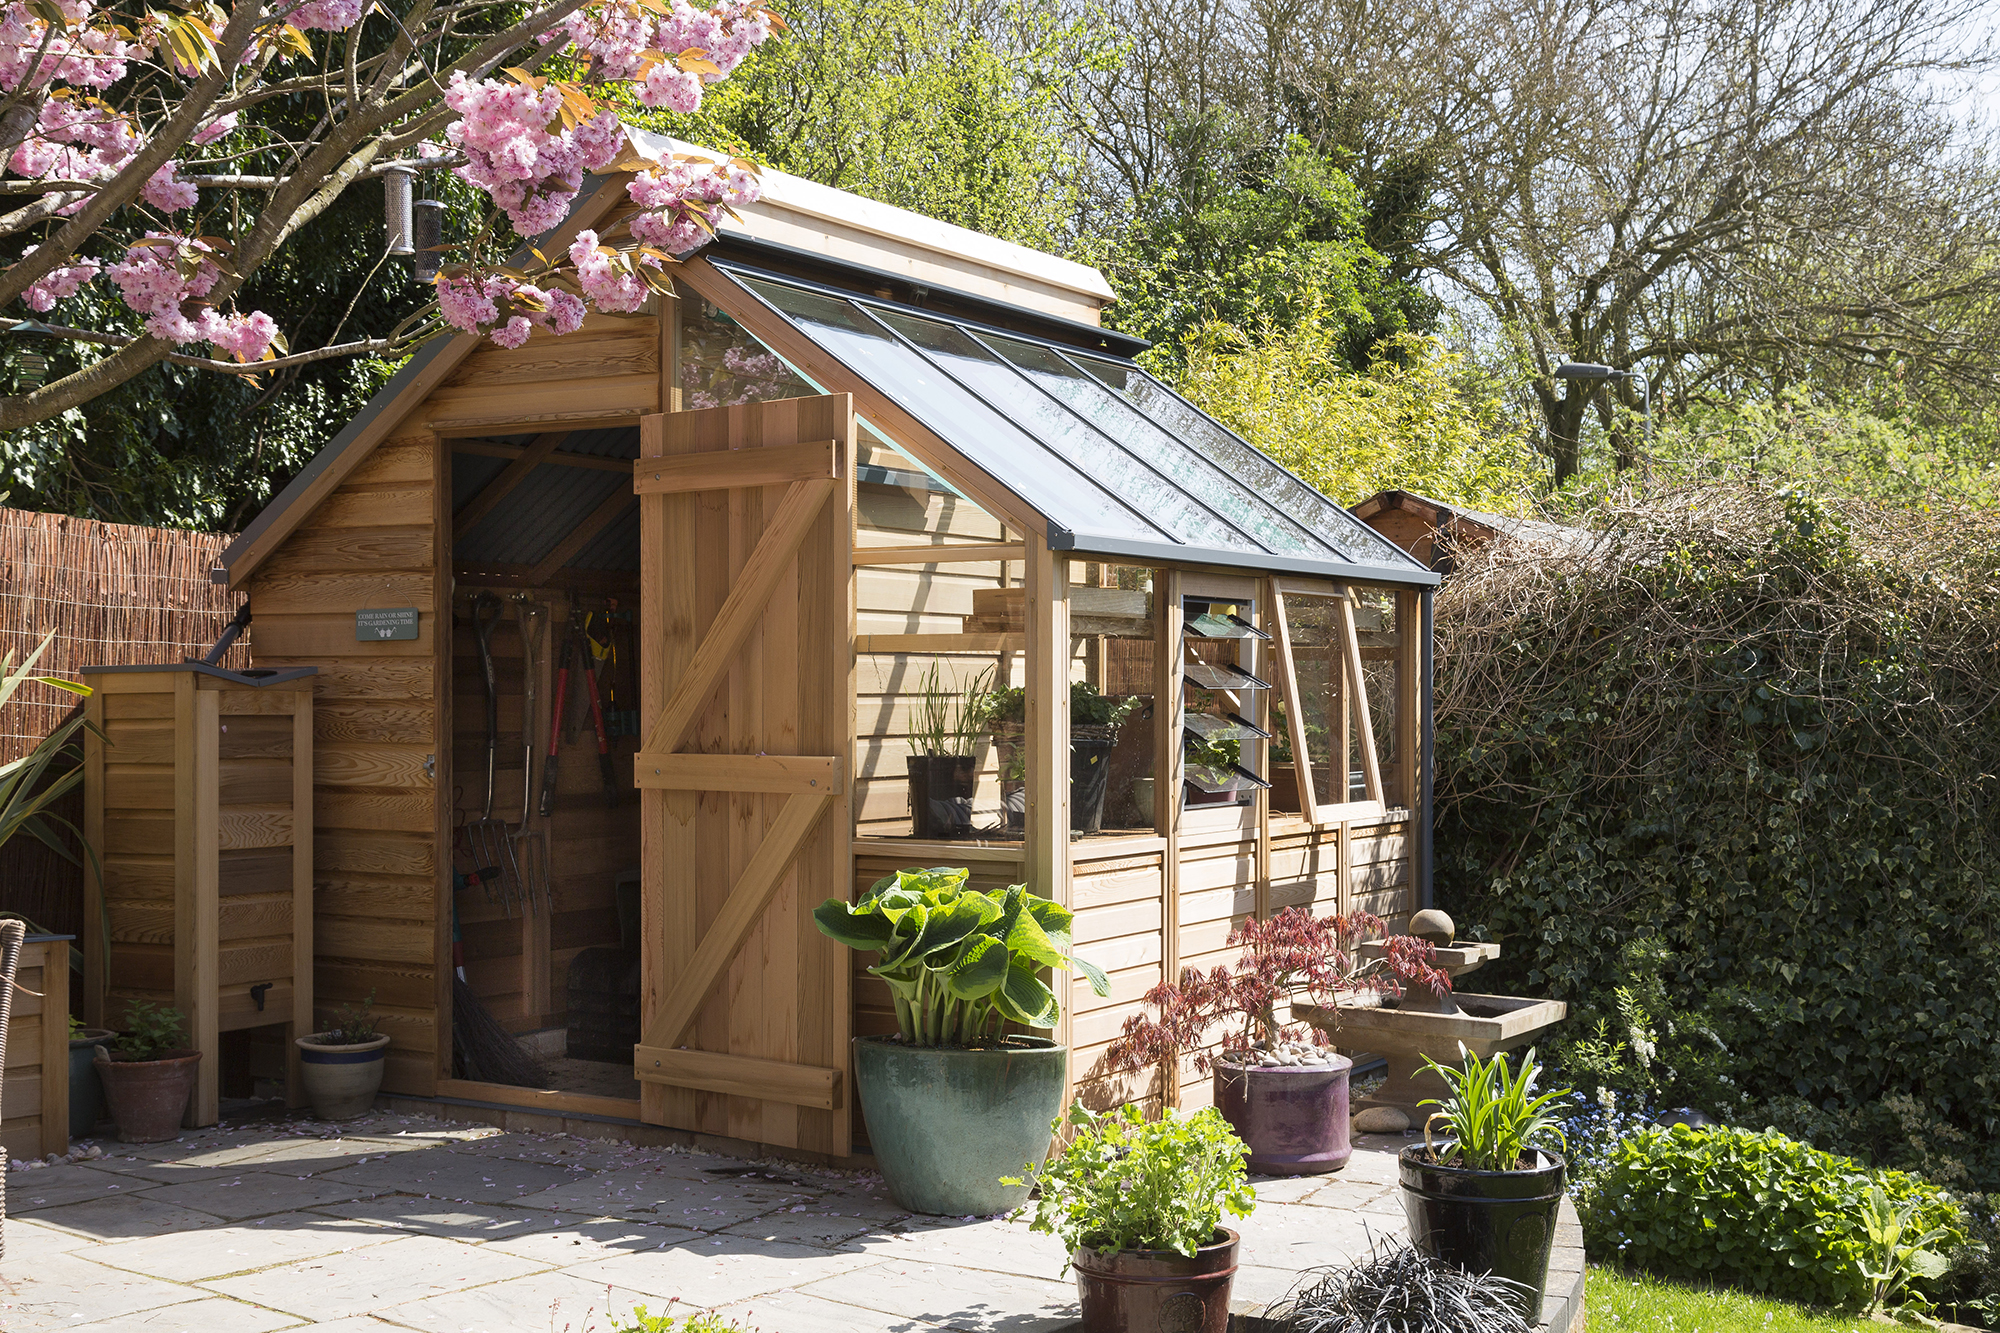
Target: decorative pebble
<point x="1381" y="1120"/>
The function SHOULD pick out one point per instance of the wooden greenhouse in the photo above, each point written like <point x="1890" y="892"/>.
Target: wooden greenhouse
<point x="766" y="542"/>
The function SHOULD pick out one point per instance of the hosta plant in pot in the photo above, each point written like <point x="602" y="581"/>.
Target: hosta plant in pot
<point x="1138" y="1204"/>
<point x="954" y="1099"/>
<point x="148" y="1074"/>
<point x="1485" y="1195"/>
<point x="1278" y="1084"/>
<point x="342" y="1066"/>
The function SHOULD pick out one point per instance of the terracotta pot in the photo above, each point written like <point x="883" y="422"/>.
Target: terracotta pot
<point x="148" y="1098"/>
<point x="1293" y="1118"/>
<point x="341" y="1079"/>
<point x="1501" y="1222"/>
<point x="1157" y="1291"/>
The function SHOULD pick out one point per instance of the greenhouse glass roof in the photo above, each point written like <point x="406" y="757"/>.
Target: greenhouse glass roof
<point x="1117" y="463"/>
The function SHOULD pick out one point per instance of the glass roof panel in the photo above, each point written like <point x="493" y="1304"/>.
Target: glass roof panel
<point x="1163" y="499"/>
<point x="1348" y="535"/>
<point x="1188" y="467"/>
<point x="1041" y="477"/>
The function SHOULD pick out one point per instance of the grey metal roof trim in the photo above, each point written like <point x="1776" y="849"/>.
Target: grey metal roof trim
<point x="1083" y="543"/>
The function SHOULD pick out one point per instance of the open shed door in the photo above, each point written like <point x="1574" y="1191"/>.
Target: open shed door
<point x="746" y="531"/>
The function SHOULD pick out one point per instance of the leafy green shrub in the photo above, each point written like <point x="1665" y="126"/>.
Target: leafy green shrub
<point x="152" y="1031"/>
<point x="1128" y="1183"/>
<point x="1751" y="1208"/>
<point x="1969" y="1292"/>
<point x="1752" y="729"/>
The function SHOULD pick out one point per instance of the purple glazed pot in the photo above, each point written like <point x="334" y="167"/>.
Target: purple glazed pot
<point x="1293" y="1118"/>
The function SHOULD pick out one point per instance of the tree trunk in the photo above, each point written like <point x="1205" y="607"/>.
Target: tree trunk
<point x="1562" y="426"/>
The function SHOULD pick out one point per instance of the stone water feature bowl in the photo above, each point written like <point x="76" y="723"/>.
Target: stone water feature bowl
<point x="1422" y="1024"/>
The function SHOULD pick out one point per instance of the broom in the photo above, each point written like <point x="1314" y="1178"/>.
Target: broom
<point x="482" y="1050"/>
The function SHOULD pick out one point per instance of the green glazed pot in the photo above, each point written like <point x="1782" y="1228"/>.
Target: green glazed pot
<point x="946" y="1124"/>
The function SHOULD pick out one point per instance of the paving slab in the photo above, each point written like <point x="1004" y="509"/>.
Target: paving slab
<point x="211" y="1315"/>
<point x="709" y="1271"/>
<point x="28" y="1241"/>
<point x="990" y="1246"/>
<point x="54" y="1186"/>
<point x="796" y="1312"/>
<point x="65" y="1290"/>
<point x="254" y="1193"/>
<point x="560" y="1302"/>
<point x="954" y="1298"/>
<point x="122" y="1217"/>
<point x="374" y="1277"/>
<point x="450" y="1218"/>
<point x="667" y="1198"/>
<point x="241" y="1247"/>
<point x="442" y="1173"/>
<point x="576" y="1242"/>
<point x="1293" y="1236"/>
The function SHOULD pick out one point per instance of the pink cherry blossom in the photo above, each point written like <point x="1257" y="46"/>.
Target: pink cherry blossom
<point x="167" y="192"/>
<point x="245" y="337"/>
<point x="215" y="129"/>
<point x="58" y="283"/>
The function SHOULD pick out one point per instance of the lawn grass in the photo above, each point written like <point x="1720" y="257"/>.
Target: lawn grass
<point x="1618" y="1301"/>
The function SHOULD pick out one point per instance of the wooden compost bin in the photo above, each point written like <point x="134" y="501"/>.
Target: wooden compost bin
<point x="198" y="798"/>
<point x="34" y="1109"/>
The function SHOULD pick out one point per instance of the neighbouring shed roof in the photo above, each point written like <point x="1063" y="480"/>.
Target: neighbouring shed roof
<point x="1457" y="521"/>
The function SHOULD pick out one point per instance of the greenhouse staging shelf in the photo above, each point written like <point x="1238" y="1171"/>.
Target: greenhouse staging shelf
<point x="412" y="1221"/>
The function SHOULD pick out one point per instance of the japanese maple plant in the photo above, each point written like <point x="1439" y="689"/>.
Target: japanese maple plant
<point x="1293" y="955"/>
<point x="1278" y="1084"/>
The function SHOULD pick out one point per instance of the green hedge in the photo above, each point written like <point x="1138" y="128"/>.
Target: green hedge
<point x="1752" y="1209"/>
<point x="1740" y="754"/>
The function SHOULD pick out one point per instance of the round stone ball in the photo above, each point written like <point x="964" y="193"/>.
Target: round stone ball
<point x="1433" y="925"/>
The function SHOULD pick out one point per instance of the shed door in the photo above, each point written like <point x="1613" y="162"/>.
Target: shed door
<point x="747" y="624"/>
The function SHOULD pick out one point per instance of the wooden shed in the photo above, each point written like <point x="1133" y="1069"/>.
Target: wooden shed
<point x="863" y="462"/>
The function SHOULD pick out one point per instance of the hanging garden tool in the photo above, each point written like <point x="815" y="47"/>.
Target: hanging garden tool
<point x="575" y="656"/>
<point x="488" y="836"/>
<point x="530" y="847"/>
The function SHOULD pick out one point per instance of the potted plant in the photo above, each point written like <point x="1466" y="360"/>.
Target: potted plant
<point x="148" y="1074"/>
<point x="1281" y="1086"/>
<point x="1139" y="1204"/>
<point x="86" y="1093"/>
<point x="1486" y="1197"/>
<point x="1094" y="721"/>
<point x="1213" y="760"/>
<point x="953" y="1099"/>
<point x="943" y="771"/>
<point x="342" y="1066"/>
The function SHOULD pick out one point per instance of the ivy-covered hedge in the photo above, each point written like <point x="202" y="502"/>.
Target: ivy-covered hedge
<point x="1725" y="781"/>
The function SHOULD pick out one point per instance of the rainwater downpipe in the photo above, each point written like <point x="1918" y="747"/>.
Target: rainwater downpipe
<point x="1426" y="753"/>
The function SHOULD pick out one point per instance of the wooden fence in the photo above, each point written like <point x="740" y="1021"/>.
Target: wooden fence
<point x="114" y="594"/>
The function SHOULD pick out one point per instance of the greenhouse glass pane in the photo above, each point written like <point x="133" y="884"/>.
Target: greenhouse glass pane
<point x="1163" y="499"/>
<point x="1040" y="476"/>
<point x="1347" y="534"/>
<point x="1200" y="474"/>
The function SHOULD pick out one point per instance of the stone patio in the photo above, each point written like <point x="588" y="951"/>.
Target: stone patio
<point x="399" y="1222"/>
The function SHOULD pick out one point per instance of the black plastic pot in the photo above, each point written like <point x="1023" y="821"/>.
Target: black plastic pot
<point x="1157" y="1291"/>
<point x="1501" y="1222"/>
<point x="1089" y="777"/>
<point x="1294" y="1118"/>
<point x="941" y="788"/>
